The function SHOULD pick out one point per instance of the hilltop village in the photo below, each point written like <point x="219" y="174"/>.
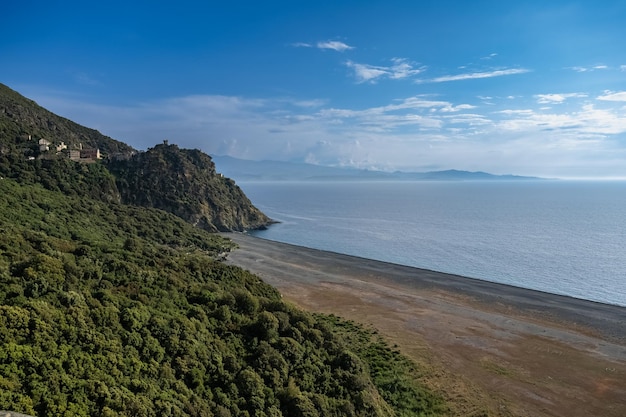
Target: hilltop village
<point x="45" y="149"/>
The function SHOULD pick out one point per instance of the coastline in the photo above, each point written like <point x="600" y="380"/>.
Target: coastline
<point x="515" y="351"/>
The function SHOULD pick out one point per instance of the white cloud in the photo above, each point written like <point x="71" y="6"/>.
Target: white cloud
<point x="334" y="45"/>
<point x="490" y="56"/>
<point x="516" y="112"/>
<point x="366" y="73"/>
<point x="590" y="68"/>
<point x="415" y="102"/>
<point x="477" y="75"/>
<point x="400" y="69"/>
<point x="586" y="121"/>
<point x="406" y="133"/>
<point x="602" y="121"/>
<point x="458" y="108"/>
<point x="384" y="118"/>
<point x="401" y="116"/>
<point x="610" y="96"/>
<point x="468" y="119"/>
<point x="557" y="98"/>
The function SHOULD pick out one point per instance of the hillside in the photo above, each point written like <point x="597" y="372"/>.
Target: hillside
<point x="21" y="118"/>
<point x="183" y="182"/>
<point x="115" y="309"/>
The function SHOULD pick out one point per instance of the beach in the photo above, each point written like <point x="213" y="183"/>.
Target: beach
<point x="489" y="349"/>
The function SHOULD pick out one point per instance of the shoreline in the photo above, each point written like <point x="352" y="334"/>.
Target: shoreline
<point x="433" y="271"/>
<point x="515" y="351"/>
<point x="609" y="319"/>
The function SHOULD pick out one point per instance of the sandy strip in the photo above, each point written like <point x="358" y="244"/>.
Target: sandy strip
<point x="488" y="348"/>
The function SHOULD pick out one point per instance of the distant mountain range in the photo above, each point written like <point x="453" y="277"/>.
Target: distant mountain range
<point x="247" y="170"/>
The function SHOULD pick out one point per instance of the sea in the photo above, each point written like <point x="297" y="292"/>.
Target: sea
<point x="561" y="237"/>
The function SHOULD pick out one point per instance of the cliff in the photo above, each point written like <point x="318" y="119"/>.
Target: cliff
<point x="184" y="182"/>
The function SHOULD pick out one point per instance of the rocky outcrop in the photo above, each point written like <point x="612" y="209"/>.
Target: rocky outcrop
<point x="184" y="182"/>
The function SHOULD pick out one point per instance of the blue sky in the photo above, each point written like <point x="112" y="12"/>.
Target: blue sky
<point x="524" y="87"/>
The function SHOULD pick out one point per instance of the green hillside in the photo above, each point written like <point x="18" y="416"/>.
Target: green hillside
<point x="180" y="181"/>
<point x="22" y="121"/>
<point x="109" y="309"/>
<point x="115" y="309"/>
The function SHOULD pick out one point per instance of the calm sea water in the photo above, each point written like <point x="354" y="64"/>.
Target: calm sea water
<point x="561" y="237"/>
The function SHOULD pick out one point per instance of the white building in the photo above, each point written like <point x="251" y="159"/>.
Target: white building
<point x="44" y="145"/>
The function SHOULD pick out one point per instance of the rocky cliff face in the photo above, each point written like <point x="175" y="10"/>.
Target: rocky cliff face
<point x="183" y="182"/>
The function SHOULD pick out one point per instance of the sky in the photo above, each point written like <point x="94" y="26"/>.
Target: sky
<point x="507" y="87"/>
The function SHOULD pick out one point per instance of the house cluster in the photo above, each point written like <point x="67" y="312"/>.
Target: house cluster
<point x="79" y="154"/>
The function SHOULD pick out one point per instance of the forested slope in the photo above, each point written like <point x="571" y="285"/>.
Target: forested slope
<point x="112" y="303"/>
<point x="21" y="118"/>
<point x="114" y="310"/>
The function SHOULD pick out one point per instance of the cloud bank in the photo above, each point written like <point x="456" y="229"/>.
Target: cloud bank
<point x="609" y="96"/>
<point x="509" y="135"/>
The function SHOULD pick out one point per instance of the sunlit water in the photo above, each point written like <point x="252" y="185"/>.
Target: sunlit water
<point x="556" y="236"/>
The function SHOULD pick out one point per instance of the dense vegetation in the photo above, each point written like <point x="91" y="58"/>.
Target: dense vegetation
<point x="107" y="309"/>
<point x="111" y="309"/>
<point x="68" y="177"/>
